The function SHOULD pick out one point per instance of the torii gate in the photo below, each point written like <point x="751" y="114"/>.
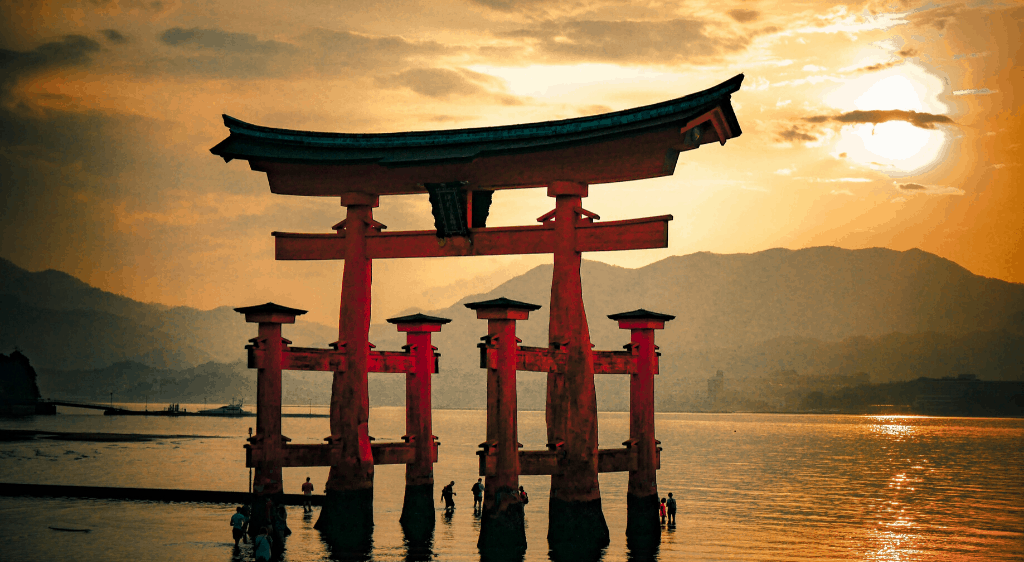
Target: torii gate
<point x="460" y="169"/>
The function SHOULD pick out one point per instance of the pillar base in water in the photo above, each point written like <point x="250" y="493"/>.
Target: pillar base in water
<point x="643" y="524"/>
<point x="418" y="516"/>
<point x="258" y="512"/>
<point x="576" y="530"/>
<point x="503" y="528"/>
<point x="346" y="519"/>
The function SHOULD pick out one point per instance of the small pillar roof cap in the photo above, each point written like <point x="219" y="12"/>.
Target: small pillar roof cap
<point x="270" y="308"/>
<point x="502" y="303"/>
<point x="642" y="314"/>
<point x="418" y="318"/>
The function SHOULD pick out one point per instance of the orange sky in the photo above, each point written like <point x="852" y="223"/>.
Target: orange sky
<point x="108" y="110"/>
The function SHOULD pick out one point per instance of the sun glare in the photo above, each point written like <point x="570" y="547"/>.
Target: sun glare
<point x="895" y="147"/>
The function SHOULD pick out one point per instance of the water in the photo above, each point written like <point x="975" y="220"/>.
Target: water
<point x="749" y="486"/>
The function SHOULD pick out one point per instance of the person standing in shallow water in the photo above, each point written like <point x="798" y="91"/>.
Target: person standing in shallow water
<point x="661" y="510"/>
<point x="525" y="499"/>
<point x="238" y="521"/>
<point x="261" y="545"/>
<point x="307" y="491"/>
<point x="478" y="494"/>
<point x="671" y="505"/>
<point x="447" y="494"/>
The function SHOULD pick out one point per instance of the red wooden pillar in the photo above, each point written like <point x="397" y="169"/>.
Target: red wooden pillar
<point x="348" y="506"/>
<point x="502" y="527"/>
<point x="575" y="515"/>
<point x="265" y="446"/>
<point x="418" y="507"/>
<point x="642" y="493"/>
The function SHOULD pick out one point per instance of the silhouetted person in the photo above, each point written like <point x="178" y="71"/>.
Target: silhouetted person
<point x="261" y="546"/>
<point x="307" y="490"/>
<point x="671" y="505"/>
<point x="238" y="521"/>
<point x="447" y="494"/>
<point x="523" y="497"/>
<point x="478" y="494"/>
<point x="661" y="510"/>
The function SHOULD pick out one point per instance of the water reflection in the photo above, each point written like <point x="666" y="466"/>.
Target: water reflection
<point x="642" y="551"/>
<point x="345" y="549"/>
<point x="419" y="549"/>
<point x="579" y="552"/>
<point x="892" y="426"/>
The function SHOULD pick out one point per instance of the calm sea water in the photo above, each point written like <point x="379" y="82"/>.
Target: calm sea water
<point x="750" y="487"/>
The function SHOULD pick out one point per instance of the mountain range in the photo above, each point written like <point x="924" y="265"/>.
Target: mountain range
<point x="820" y="311"/>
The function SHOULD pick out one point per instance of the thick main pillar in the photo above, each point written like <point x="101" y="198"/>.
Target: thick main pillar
<point x="642" y="524"/>
<point x="418" y="515"/>
<point x="347" y="514"/>
<point x="575" y="515"/>
<point x="265" y="446"/>
<point x="502" y="528"/>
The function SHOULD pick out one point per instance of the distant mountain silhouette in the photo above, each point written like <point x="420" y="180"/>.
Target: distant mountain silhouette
<point x="791" y="299"/>
<point x="63" y="323"/>
<point x="894" y="315"/>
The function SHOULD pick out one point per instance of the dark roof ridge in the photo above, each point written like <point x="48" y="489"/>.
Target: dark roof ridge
<point x="502" y="132"/>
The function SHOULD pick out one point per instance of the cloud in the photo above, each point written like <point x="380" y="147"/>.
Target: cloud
<point x="69" y="51"/>
<point x="904" y="53"/>
<point x="114" y="36"/>
<point x="813" y="68"/>
<point x="319" y="52"/>
<point x="796" y="133"/>
<point x="928" y="189"/>
<point x="744" y="16"/>
<point x="345" y="49"/>
<point x="979" y="92"/>
<point x="876" y="116"/>
<point x="841" y="192"/>
<point x="785" y="171"/>
<point x="222" y="41"/>
<point x="841" y="180"/>
<point x="443" y="83"/>
<point x="640" y="42"/>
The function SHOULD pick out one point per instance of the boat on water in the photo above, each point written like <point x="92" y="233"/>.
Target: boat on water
<point x="233" y="409"/>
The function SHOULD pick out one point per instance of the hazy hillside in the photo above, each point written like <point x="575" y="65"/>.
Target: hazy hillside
<point x="726" y="303"/>
<point x="63" y="323"/>
<point x="817" y="311"/>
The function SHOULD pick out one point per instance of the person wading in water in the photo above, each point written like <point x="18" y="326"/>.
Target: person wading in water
<point x="447" y="494"/>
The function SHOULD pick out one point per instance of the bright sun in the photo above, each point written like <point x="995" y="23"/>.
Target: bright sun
<point x="896" y="147"/>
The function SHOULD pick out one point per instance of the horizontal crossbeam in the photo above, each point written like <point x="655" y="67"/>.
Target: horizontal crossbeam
<point x="326" y="455"/>
<point x="634" y="234"/>
<point x="546" y="462"/>
<point x="546" y="360"/>
<point x="312" y="359"/>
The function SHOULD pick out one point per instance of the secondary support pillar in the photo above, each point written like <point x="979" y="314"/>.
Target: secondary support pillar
<point x="347" y="514"/>
<point x="575" y="515"/>
<point x="642" y="524"/>
<point x="502" y="528"/>
<point x="267" y="482"/>
<point x="418" y="515"/>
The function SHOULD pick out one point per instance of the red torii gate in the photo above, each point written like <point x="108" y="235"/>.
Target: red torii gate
<point x="460" y="169"/>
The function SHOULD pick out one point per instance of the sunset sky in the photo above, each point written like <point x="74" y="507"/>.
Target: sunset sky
<point x="891" y="124"/>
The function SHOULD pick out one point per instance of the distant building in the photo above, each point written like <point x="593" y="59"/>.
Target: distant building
<point x="716" y="387"/>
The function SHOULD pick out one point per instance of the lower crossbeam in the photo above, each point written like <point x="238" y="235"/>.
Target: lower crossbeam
<point x="326" y="455"/>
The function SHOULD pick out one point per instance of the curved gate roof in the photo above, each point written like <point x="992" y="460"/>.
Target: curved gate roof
<point x="624" y="145"/>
